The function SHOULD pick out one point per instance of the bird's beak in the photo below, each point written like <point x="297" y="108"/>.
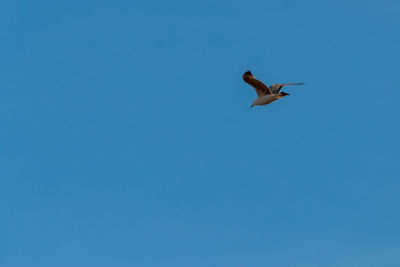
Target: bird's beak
<point x="251" y="106"/>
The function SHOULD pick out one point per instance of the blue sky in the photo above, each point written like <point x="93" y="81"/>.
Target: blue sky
<point x="127" y="138"/>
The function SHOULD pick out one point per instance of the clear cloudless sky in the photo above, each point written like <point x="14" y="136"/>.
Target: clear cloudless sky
<point x="127" y="137"/>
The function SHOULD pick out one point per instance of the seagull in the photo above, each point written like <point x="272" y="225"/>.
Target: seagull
<point x="266" y="95"/>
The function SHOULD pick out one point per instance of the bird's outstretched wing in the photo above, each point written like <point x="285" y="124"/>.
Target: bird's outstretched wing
<point x="275" y="88"/>
<point x="260" y="88"/>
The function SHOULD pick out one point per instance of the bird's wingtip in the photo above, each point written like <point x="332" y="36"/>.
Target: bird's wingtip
<point x="248" y="73"/>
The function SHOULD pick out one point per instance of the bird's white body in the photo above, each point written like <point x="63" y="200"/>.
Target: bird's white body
<point x="266" y="99"/>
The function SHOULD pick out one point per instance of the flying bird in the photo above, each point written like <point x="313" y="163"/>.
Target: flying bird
<point x="266" y="95"/>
